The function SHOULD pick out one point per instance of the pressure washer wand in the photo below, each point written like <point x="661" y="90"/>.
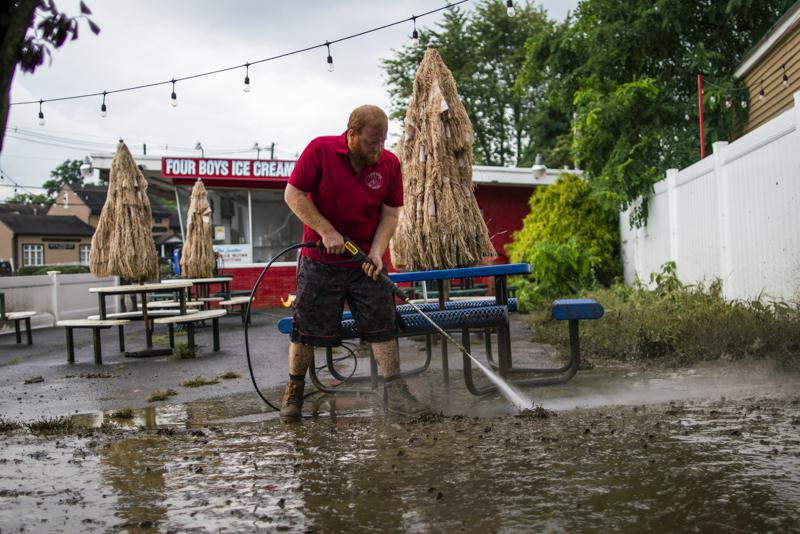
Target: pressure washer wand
<point x="505" y="388"/>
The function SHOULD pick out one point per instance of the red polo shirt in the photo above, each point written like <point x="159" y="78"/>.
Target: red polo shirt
<point x="351" y="201"/>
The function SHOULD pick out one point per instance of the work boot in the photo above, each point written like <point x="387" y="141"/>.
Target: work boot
<point x="292" y="403"/>
<point x="401" y="401"/>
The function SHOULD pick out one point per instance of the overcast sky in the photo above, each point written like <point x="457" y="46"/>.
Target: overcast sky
<point x="292" y="100"/>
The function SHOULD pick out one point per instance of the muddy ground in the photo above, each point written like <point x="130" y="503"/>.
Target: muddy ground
<point x="714" y="448"/>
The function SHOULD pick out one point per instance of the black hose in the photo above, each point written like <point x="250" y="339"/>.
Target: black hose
<point x="309" y="244"/>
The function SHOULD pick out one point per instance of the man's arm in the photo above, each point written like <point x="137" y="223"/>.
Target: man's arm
<point x="386" y="226"/>
<point x="307" y="212"/>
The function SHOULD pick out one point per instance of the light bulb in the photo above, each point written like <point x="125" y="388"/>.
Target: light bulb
<point x="744" y="103"/>
<point x="103" y="110"/>
<point x="415" y="38"/>
<point x="246" y="87"/>
<point x="174" y="100"/>
<point x="728" y="104"/>
<point x="41" y="119"/>
<point x="785" y="80"/>
<point x="510" y="8"/>
<point x="686" y="116"/>
<point x="712" y="99"/>
<point x="330" y="64"/>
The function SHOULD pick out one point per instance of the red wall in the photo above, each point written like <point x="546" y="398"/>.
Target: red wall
<point x="504" y="208"/>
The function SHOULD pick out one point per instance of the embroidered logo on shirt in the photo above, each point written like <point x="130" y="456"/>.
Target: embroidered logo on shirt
<point x="374" y="180"/>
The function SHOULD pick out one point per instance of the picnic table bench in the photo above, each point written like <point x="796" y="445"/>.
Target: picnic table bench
<point x="488" y="315"/>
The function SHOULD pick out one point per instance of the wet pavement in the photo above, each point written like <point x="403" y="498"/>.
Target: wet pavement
<point x="710" y="449"/>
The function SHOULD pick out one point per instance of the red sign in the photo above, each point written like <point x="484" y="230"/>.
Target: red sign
<point x="177" y="168"/>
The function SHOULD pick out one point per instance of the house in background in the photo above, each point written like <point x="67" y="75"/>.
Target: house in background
<point x="771" y="69"/>
<point x="35" y="240"/>
<point x="86" y="203"/>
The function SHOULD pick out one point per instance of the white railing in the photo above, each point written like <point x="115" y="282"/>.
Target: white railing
<point x="734" y="215"/>
<point x="54" y="296"/>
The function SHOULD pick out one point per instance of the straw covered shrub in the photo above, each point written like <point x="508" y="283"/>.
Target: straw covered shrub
<point x="569" y="239"/>
<point x="677" y="324"/>
<point x="441" y="225"/>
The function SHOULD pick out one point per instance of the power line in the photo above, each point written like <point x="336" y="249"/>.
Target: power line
<point x="246" y="65"/>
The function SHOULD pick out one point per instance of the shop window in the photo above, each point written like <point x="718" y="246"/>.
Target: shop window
<point x="85" y="251"/>
<point x="32" y="255"/>
<point x="275" y="227"/>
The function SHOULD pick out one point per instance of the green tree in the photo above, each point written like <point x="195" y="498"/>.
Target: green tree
<point x="28" y="30"/>
<point x="30" y="198"/>
<point x="485" y="52"/>
<point x="568" y="231"/>
<point x="67" y="173"/>
<point x="626" y="71"/>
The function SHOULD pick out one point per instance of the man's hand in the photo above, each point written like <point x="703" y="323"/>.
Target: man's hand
<point x="333" y="242"/>
<point x="373" y="270"/>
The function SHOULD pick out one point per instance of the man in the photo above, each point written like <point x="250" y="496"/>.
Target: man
<point x="345" y="186"/>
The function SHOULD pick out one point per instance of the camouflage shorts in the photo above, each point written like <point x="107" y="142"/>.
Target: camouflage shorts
<point x="321" y="292"/>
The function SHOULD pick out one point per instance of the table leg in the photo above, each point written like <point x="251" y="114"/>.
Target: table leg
<point x="2" y="306"/>
<point x="147" y="327"/>
<point x="28" y="332"/>
<point x="102" y="305"/>
<point x="16" y="330"/>
<point x="227" y="286"/>
<point x="70" y="347"/>
<point x="182" y="298"/>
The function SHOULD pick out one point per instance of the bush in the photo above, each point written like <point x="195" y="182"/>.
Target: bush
<point x="676" y="324"/>
<point x="569" y="239"/>
<point x="33" y="270"/>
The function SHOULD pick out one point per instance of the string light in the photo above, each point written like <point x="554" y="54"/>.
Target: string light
<point x="174" y="97"/>
<point x="103" y="109"/>
<point x="41" y="114"/>
<point x="510" y="8"/>
<point x="330" y="58"/>
<point x="246" y="78"/>
<point x="761" y="92"/>
<point x="744" y="104"/>
<point x="728" y="104"/>
<point x="785" y="76"/>
<point x="174" y="101"/>
<point x="415" y="33"/>
<point x="686" y="116"/>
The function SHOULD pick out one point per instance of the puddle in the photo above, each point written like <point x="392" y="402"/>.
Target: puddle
<point x="695" y="462"/>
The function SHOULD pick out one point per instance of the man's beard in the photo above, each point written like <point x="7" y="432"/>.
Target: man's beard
<point x="363" y="158"/>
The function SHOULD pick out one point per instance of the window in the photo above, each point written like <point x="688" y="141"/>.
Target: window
<point x="85" y="250"/>
<point x="32" y="255"/>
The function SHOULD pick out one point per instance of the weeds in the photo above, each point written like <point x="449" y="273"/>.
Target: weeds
<point x="51" y="425"/>
<point x="230" y="375"/>
<point x="678" y="324"/>
<point x="125" y="413"/>
<point x="160" y="395"/>
<point x="184" y="352"/>
<point x="7" y="425"/>
<point x="160" y="339"/>
<point x="198" y="381"/>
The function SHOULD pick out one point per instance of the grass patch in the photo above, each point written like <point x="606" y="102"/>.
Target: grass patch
<point x="198" y="381"/>
<point x="184" y="352"/>
<point x="159" y="339"/>
<point x="160" y="395"/>
<point x="51" y="425"/>
<point x="8" y="425"/>
<point x="180" y="333"/>
<point x="12" y="361"/>
<point x="230" y="375"/>
<point x="125" y="413"/>
<point x="677" y="324"/>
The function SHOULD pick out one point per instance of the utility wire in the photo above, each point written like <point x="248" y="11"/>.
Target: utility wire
<point x="326" y="44"/>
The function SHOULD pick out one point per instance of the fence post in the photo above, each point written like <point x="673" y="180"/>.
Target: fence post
<point x="672" y="210"/>
<point x="723" y="214"/>
<point x="55" y="282"/>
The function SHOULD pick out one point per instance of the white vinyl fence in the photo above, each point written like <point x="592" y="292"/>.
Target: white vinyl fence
<point x="734" y="215"/>
<point x="54" y="297"/>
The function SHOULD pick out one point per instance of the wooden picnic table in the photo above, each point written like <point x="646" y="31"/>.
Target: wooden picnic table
<point x="181" y="286"/>
<point x="202" y="287"/>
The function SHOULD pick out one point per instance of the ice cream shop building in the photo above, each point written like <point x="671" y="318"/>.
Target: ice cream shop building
<point x="252" y="224"/>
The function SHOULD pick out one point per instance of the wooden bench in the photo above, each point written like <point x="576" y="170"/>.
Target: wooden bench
<point x="21" y="316"/>
<point x="189" y="320"/>
<point x="242" y="303"/>
<point x="96" y="326"/>
<point x="168" y="304"/>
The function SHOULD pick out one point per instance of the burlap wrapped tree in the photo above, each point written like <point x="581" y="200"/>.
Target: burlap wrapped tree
<point x="197" y="256"/>
<point x="123" y="244"/>
<point x="440" y="225"/>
